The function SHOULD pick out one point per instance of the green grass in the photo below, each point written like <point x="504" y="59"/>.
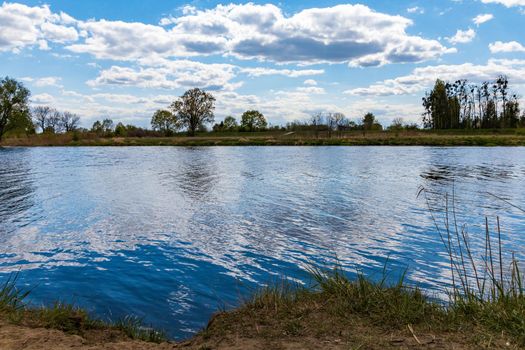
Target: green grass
<point x="486" y="301"/>
<point x="486" y="304"/>
<point x="66" y="317"/>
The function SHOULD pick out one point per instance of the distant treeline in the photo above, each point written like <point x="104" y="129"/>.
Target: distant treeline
<point x="463" y="105"/>
<point x="459" y="105"/>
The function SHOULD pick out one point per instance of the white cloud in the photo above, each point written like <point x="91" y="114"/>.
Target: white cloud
<point x="310" y="82"/>
<point x="43" y="82"/>
<point x="170" y="75"/>
<point x="482" y="18"/>
<point x="511" y="46"/>
<point x="462" y="36"/>
<point x="352" y="34"/>
<point x="29" y="26"/>
<point x="343" y="33"/>
<point x="43" y="99"/>
<point x="416" y="9"/>
<point x="424" y="77"/>
<point x="311" y="90"/>
<point x="292" y="73"/>
<point x="506" y="3"/>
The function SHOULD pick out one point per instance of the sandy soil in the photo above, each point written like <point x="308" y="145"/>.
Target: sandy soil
<point x="17" y="338"/>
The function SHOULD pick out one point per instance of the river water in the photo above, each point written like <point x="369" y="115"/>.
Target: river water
<point x="173" y="234"/>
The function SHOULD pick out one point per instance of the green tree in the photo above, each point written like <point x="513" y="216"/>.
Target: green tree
<point x="121" y="130"/>
<point x="253" y="121"/>
<point x="194" y="109"/>
<point x="511" y="116"/>
<point x="436" y="103"/>
<point x="368" y="121"/>
<point x="14" y="98"/>
<point x="165" y="122"/>
<point x="230" y="123"/>
<point x="104" y="127"/>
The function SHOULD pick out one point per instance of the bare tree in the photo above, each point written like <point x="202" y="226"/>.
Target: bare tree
<point x="53" y="122"/>
<point x="69" y="121"/>
<point x="41" y="116"/>
<point x="341" y="122"/>
<point x="330" y="123"/>
<point x="316" y="121"/>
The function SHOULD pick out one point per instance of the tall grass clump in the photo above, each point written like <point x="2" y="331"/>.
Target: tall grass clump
<point x="486" y="290"/>
<point x="11" y="298"/>
<point x="65" y="317"/>
<point x="388" y="304"/>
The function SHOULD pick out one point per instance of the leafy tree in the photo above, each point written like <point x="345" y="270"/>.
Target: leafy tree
<point x="165" y="122"/>
<point x="194" y="109"/>
<point x="368" y="121"/>
<point x="464" y="105"/>
<point x="14" y="98"/>
<point x="253" y="121"/>
<point x="104" y="127"/>
<point x="121" y="130"/>
<point x="20" y="123"/>
<point x="511" y="114"/>
<point x="230" y="123"/>
<point x="97" y="127"/>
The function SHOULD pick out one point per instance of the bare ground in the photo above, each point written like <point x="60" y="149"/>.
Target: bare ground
<point x="244" y="337"/>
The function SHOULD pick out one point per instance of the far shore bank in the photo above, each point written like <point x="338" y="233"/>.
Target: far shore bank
<point x="385" y="138"/>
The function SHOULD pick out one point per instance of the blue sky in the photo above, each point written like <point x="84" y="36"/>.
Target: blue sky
<point x="125" y="59"/>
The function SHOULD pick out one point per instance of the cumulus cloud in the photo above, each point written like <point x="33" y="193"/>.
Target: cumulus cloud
<point x="462" y="36"/>
<point x="511" y="46"/>
<point x="43" y="99"/>
<point x="24" y="26"/>
<point x="353" y="34"/>
<point x="482" y="18"/>
<point x="423" y="77"/>
<point x="170" y="75"/>
<point x="506" y="3"/>
<point x="43" y="82"/>
<point x="343" y="33"/>
<point x="310" y="82"/>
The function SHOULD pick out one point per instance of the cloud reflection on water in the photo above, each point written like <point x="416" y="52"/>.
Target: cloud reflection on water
<point x="197" y="220"/>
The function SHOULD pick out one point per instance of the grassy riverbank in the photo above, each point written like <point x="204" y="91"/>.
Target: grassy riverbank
<point x="336" y="313"/>
<point x="485" y="309"/>
<point x="504" y="137"/>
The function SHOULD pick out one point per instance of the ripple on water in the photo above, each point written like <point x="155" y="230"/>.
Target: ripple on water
<point x="172" y="234"/>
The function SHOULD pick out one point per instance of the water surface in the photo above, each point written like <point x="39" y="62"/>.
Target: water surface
<point x="171" y="234"/>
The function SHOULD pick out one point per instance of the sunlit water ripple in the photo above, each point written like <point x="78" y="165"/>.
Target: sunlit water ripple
<point x="171" y="234"/>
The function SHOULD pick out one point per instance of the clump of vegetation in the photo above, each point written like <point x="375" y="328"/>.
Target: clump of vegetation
<point x="484" y="291"/>
<point x="66" y="317"/>
<point x="486" y="307"/>
<point x="463" y="105"/>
